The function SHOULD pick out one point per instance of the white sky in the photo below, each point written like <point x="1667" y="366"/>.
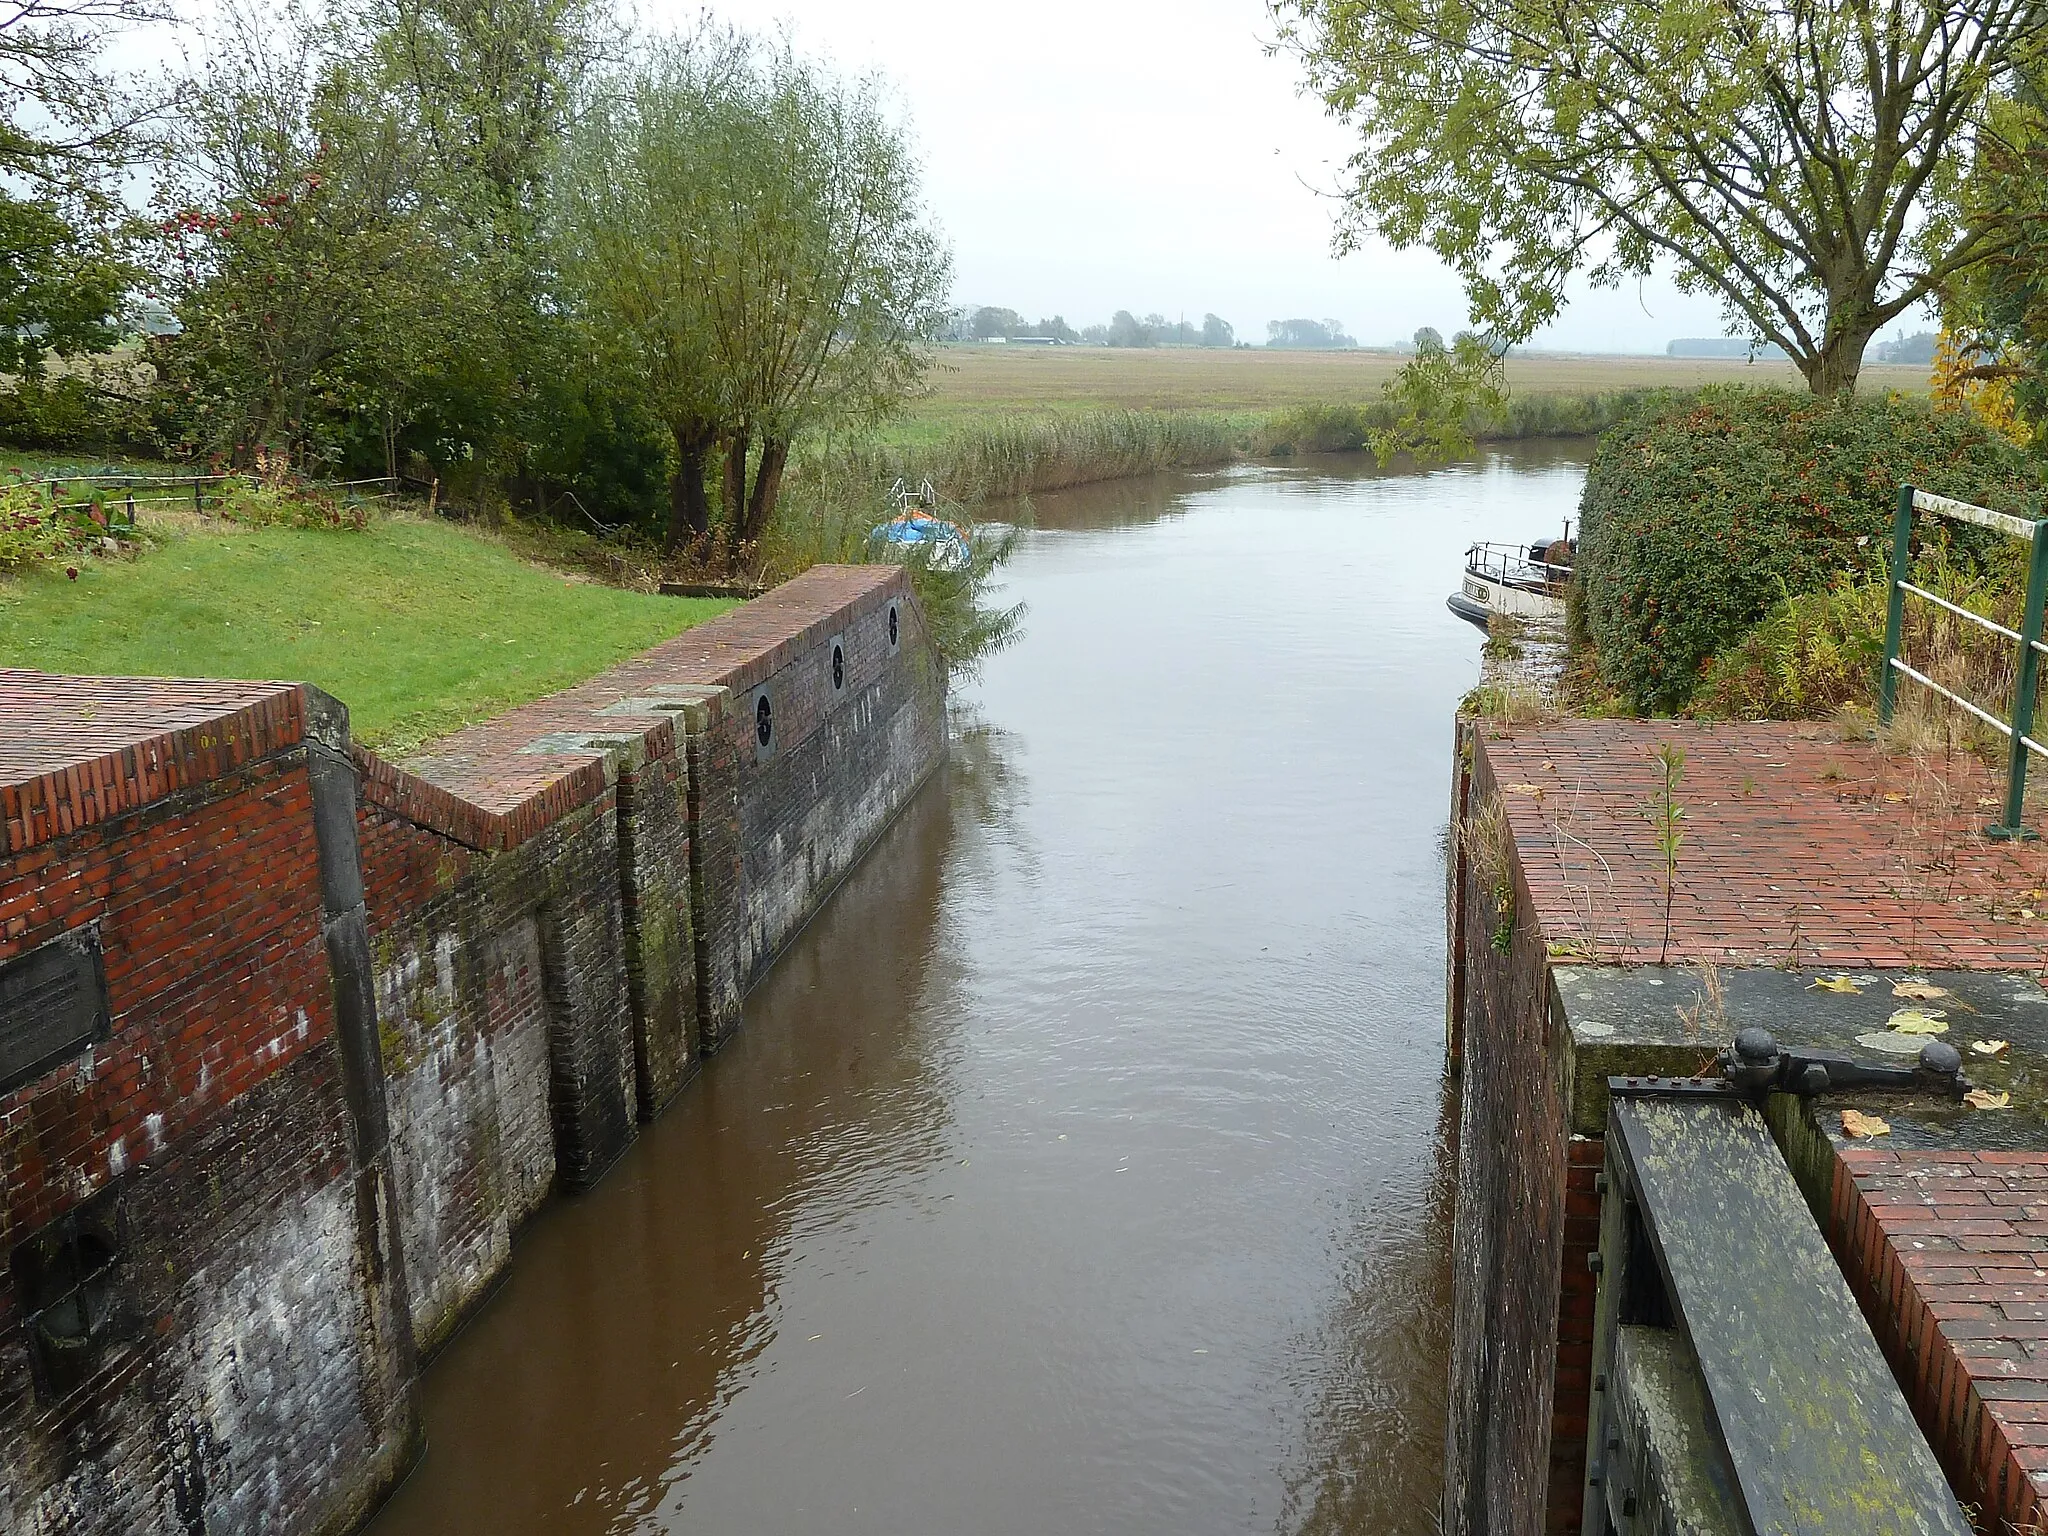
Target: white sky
<point x="1085" y="156"/>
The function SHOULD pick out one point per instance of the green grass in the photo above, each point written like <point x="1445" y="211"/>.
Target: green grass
<point x="419" y="627"/>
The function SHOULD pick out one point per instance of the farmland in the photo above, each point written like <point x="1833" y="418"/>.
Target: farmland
<point x="971" y="383"/>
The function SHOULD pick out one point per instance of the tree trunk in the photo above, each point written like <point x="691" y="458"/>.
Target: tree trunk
<point x="767" y="487"/>
<point x="689" y="512"/>
<point x="733" y="492"/>
<point x="1832" y="371"/>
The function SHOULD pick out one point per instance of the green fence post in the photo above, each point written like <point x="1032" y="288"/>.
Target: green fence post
<point x="2023" y="693"/>
<point x="1895" y="613"/>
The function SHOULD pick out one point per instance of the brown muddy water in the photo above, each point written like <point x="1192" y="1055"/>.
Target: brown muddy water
<point x="1084" y="1165"/>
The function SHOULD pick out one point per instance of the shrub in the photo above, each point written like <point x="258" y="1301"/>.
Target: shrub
<point x="69" y="413"/>
<point x="273" y="498"/>
<point x="1817" y="651"/>
<point x="29" y="534"/>
<point x="1702" y="512"/>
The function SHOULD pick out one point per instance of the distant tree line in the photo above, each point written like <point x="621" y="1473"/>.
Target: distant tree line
<point x="990" y="323"/>
<point x="512" y="247"/>
<point x="1309" y="334"/>
<point x="1916" y="348"/>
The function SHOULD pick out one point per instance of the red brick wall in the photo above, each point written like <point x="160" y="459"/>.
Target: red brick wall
<point x="1572" y="1379"/>
<point x="209" y="917"/>
<point x="507" y="1074"/>
<point x="1947" y="1252"/>
<point x="555" y="910"/>
<point x="211" y="1130"/>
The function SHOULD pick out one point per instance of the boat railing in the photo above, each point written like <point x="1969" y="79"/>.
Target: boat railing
<point x="1510" y="565"/>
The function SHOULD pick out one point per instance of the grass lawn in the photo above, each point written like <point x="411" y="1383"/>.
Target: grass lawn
<point x="975" y="382"/>
<point x="420" y="627"/>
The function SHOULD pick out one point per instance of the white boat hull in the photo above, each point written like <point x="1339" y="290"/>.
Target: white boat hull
<point x="1480" y="599"/>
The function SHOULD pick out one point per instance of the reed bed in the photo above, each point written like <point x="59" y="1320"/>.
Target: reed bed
<point x="1331" y="428"/>
<point x="1007" y="456"/>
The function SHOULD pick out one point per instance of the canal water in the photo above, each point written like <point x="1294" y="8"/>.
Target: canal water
<point x="1084" y="1167"/>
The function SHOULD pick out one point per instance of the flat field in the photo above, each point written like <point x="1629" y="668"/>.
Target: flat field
<point x="979" y="381"/>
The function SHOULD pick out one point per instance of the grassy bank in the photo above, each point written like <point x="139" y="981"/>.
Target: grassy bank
<point x="420" y="626"/>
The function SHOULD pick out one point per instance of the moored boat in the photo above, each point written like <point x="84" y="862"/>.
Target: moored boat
<point x="1519" y="581"/>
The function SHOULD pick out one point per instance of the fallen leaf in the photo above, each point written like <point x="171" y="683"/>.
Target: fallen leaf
<point x="1990" y="1047"/>
<point x="1915" y="1021"/>
<point x="1856" y="1125"/>
<point x="1525" y="789"/>
<point x="2026" y="911"/>
<point x="1550" y="767"/>
<point x="1986" y="805"/>
<point x="1895" y="799"/>
<point x="1984" y="1098"/>
<point x="1918" y="991"/>
<point x="1837" y="984"/>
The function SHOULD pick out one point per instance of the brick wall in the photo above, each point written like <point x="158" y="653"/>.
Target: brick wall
<point x="1515" y="1444"/>
<point x="843" y="757"/>
<point x="250" y="1359"/>
<point x="1947" y="1253"/>
<point x="568" y="903"/>
<point x="363" y="1017"/>
<point x="505" y="1034"/>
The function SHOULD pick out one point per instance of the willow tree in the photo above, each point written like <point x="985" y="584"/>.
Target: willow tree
<point x="1803" y="162"/>
<point x="831" y="283"/>
<point x="743" y="233"/>
<point x="628" y="223"/>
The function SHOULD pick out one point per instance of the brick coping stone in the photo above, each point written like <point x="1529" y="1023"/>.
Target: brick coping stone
<point x="75" y="751"/>
<point x="78" y="751"/>
<point x="498" y="783"/>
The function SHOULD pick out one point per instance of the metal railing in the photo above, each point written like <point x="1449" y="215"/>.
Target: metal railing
<point x="1510" y="566"/>
<point x="109" y="501"/>
<point x="2019" y="730"/>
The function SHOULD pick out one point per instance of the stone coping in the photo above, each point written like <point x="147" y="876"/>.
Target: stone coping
<point x="78" y="751"/>
<point x="1644" y="1020"/>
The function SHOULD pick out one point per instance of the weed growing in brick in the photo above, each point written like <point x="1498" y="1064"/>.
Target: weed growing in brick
<point x="1666" y="816"/>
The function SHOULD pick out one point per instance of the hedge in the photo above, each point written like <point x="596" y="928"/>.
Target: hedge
<point x="1702" y="511"/>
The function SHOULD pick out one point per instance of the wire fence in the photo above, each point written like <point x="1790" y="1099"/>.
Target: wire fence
<point x="111" y="502"/>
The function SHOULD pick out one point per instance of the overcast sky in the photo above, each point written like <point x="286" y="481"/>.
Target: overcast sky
<point x="1085" y="156"/>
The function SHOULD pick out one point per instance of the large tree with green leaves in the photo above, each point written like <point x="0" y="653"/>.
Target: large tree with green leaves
<point x="742" y="233"/>
<point x="1803" y="162"/>
<point x="306" y="264"/>
<point x="831" y="282"/>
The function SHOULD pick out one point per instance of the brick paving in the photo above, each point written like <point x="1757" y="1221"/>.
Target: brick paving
<point x="1804" y="849"/>
<point x="1799" y="849"/>
<point x="1948" y="1252"/>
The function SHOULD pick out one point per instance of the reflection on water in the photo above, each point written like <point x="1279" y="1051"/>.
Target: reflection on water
<point x="1085" y="1165"/>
